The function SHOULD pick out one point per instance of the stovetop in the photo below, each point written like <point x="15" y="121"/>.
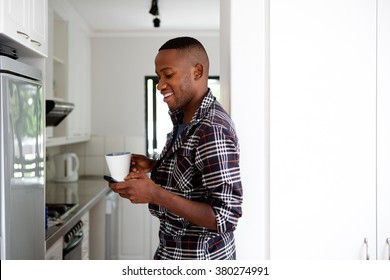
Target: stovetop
<point x="59" y="211"/>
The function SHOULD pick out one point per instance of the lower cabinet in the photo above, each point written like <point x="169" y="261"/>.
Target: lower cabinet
<point x="138" y="231"/>
<point x="85" y="243"/>
<point x="55" y="251"/>
<point x="97" y="228"/>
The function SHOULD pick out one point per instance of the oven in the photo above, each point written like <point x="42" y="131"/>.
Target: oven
<point x="73" y="238"/>
<point x="73" y="242"/>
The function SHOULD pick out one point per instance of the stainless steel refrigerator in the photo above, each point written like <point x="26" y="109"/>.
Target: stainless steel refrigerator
<point x="21" y="161"/>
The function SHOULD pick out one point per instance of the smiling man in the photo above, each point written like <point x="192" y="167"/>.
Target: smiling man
<point x="195" y="185"/>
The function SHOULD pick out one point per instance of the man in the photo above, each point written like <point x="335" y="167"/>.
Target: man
<point x="195" y="186"/>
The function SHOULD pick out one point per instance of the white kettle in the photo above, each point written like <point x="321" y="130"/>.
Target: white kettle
<point x="67" y="167"/>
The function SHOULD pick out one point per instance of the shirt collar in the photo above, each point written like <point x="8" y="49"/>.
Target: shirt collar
<point x="208" y="100"/>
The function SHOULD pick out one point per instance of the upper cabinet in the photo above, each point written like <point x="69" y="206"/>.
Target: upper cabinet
<point x="68" y="73"/>
<point x="80" y="85"/>
<point x="25" y="21"/>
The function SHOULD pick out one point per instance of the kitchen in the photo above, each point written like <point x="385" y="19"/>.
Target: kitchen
<point x="67" y="69"/>
<point x="96" y="126"/>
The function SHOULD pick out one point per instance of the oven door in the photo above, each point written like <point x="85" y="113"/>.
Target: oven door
<point x="73" y="250"/>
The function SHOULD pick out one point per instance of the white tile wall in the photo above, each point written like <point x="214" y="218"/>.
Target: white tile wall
<point x="136" y="145"/>
<point x="94" y="156"/>
<point x="95" y="147"/>
<point x="114" y="144"/>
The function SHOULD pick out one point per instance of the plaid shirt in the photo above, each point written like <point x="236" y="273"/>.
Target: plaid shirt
<point x="202" y="164"/>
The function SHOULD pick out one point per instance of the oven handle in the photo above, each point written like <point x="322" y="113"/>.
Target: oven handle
<point x="74" y="243"/>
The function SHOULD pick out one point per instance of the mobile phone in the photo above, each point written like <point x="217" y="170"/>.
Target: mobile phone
<point x="109" y="179"/>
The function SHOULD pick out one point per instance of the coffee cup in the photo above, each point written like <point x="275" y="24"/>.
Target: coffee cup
<point x="118" y="164"/>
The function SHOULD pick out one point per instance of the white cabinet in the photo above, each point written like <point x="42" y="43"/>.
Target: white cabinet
<point x="69" y="75"/>
<point x="329" y="136"/>
<point x="383" y="131"/>
<point x="79" y="122"/>
<point x="138" y="231"/>
<point x="55" y="252"/>
<point x="25" y="21"/>
<point x="85" y="242"/>
<point x="97" y="231"/>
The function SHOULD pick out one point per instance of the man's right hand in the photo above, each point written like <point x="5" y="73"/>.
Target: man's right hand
<point x="141" y="163"/>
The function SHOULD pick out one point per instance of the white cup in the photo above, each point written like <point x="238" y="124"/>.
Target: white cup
<point x="118" y="165"/>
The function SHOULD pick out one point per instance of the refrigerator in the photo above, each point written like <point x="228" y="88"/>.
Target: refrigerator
<point x="22" y="172"/>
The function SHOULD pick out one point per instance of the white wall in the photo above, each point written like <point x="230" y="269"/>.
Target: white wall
<point x="244" y="77"/>
<point x="119" y="65"/>
<point x="246" y="32"/>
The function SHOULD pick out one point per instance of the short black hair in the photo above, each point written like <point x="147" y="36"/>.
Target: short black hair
<point x="182" y="43"/>
<point x="190" y="46"/>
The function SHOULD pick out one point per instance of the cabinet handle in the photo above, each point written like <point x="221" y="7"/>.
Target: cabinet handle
<point x="36" y="42"/>
<point x="366" y="243"/>
<point x="23" y="34"/>
<point x="388" y="247"/>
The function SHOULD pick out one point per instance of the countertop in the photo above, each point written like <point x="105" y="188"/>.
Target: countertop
<point x="86" y="192"/>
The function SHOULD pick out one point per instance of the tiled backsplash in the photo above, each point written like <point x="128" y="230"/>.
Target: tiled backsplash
<point x="91" y="153"/>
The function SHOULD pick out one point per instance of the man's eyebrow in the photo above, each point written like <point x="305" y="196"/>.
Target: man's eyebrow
<point x="165" y="68"/>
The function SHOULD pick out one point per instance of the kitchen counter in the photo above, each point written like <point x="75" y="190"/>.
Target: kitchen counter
<point x="86" y="192"/>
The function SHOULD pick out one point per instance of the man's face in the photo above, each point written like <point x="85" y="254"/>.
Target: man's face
<point x="176" y="81"/>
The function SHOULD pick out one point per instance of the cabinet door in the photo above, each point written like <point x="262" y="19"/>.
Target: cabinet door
<point x="16" y="20"/>
<point x="138" y="232"/>
<point x="383" y="134"/>
<point x="322" y="129"/>
<point x="55" y="251"/>
<point x="38" y="25"/>
<point x="26" y="22"/>
<point x="85" y="243"/>
<point x="79" y="83"/>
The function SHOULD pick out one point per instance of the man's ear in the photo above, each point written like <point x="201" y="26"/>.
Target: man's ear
<point x="198" y="73"/>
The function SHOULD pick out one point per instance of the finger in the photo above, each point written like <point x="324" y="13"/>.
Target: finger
<point x="134" y="175"/>
<point x="118" y="186"/>
<point x="134" y="169"/>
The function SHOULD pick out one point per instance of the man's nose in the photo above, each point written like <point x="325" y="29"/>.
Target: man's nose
<point x="161" y="85"/>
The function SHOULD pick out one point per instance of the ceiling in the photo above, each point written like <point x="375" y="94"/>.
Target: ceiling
<point x="133" y="15"/>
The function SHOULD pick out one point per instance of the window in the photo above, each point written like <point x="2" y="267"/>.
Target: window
<point x="158" y="122"/>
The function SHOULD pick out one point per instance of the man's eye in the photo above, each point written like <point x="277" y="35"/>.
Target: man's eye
<point x="169" y="76"/>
